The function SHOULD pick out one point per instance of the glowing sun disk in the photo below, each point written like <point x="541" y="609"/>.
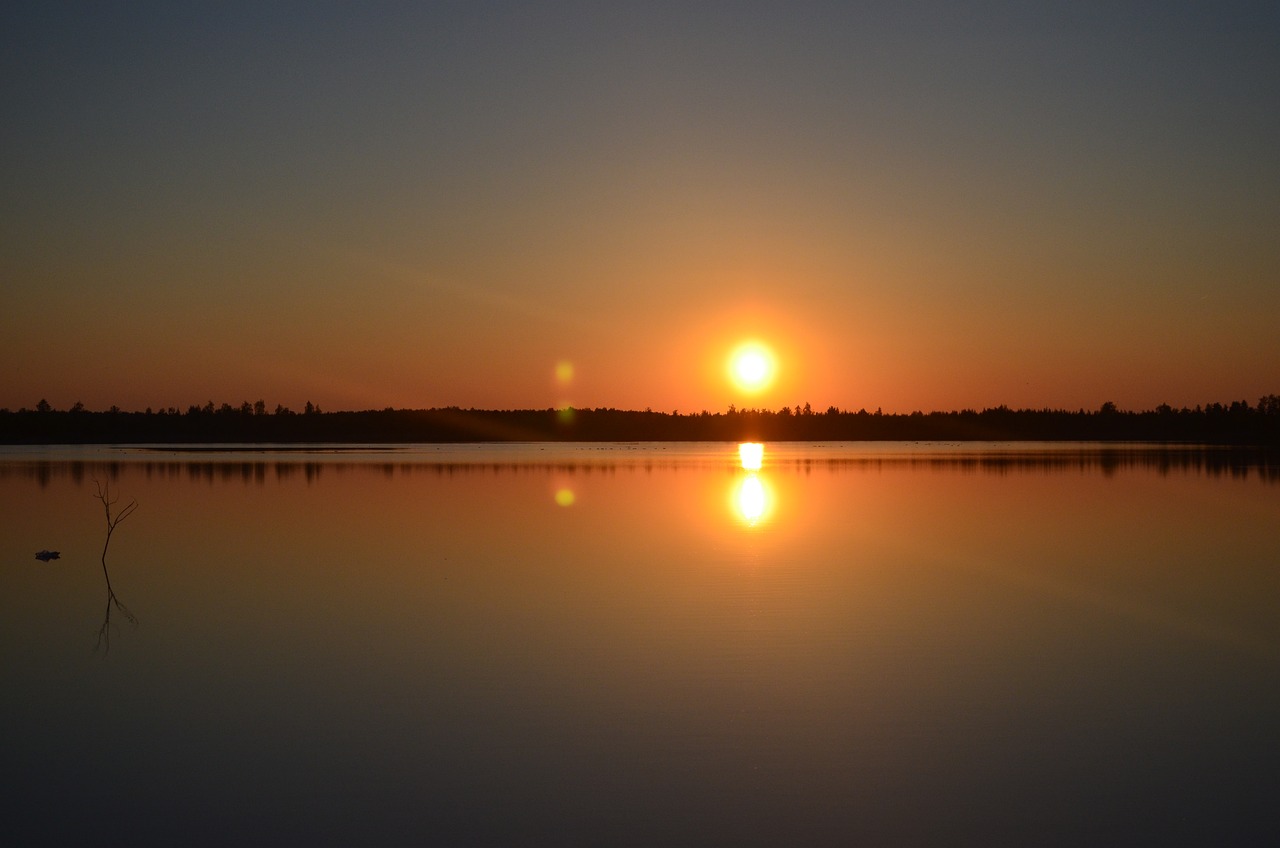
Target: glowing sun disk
<point x="751" y="366"/>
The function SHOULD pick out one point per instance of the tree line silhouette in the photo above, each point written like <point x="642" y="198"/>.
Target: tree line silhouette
<point x="1235" y="423"/>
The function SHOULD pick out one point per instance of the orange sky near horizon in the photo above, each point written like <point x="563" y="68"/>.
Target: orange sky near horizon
<point x="914" y="208"/>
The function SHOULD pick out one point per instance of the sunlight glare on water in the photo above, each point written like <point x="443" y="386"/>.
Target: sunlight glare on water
<point x="651" y="641"/>
<point x="751" y="498"/>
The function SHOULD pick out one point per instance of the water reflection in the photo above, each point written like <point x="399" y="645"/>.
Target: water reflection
<point x="692" y="647"/>
<point x="253" y="468"/>
<point x="103" y="494"/>
<point x="752" y="500"/>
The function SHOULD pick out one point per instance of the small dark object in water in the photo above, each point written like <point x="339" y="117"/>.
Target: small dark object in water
<point x="45" y="556"/>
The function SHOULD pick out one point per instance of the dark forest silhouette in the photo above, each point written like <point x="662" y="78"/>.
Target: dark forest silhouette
<point x="1238" y="422"/>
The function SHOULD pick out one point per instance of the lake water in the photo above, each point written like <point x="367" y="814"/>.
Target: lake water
<point x="875" y="644"/>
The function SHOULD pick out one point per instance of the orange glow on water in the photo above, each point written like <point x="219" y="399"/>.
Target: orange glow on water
<point x="752" y="499"/>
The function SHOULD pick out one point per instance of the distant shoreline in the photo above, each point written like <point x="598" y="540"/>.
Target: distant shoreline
<point x="1237" y="423"/>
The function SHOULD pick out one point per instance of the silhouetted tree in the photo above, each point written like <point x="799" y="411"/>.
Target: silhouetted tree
<point x="1237" y="422"/>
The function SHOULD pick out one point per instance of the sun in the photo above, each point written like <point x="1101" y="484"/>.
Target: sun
<point x="752" y="366"/>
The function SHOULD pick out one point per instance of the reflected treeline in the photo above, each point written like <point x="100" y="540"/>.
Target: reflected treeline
<point x="259" y="473"/>
<point x="1237" y="422"/>
<point x="1238" y="462"/>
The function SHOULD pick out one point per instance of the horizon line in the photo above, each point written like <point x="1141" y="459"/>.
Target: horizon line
<point x="1265" y="403"/>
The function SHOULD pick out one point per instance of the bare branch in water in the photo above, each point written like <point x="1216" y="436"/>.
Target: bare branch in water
<point x="103" y="493"/>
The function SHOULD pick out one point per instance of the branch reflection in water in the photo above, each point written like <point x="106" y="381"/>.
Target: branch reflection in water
<point x="103" y="494"/>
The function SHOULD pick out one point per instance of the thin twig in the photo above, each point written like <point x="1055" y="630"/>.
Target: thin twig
<point x="103" y="493"/>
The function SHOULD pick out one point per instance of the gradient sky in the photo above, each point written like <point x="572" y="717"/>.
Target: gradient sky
<point x="918" y="205"/>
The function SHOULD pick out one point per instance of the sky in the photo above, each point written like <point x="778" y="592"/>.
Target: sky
<point x="913" y="205"/>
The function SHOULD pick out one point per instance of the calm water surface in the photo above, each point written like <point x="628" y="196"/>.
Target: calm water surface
<point x="642" y="645"/>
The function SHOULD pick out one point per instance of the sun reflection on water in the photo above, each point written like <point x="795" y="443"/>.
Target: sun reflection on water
<point x="751" y="498"/>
